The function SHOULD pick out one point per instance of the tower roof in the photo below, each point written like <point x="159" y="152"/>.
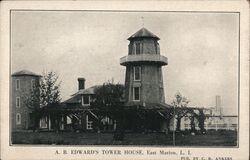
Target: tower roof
<point x="25" y="73"/>
<point x="143" y="33"/>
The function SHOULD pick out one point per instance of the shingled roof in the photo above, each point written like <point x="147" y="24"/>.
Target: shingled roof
<point x="90" y="90"/>
<point x="143" y="33"/>
<point x="25" y="73"/>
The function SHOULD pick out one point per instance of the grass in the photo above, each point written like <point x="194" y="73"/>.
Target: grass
<point x="212" y="138"/>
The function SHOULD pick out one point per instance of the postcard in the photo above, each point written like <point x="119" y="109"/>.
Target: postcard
<point x="125" y="80"/>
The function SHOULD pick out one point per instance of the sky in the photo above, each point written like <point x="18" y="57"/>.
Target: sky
<point x="202" y="50"/>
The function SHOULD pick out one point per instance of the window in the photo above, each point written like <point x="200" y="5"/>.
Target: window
<point x="85" y="100"/>
<point x="137" y="48"/>
<point x="17" y="102"/>
<point x="129" y="49"/>
<point x="89" y="123"/>
<point x="137" y="73"/>
<point x="43" y="122"/>
<point x="32" y="84"/>
<point x="18" y="118"/>
<point x="17" y="84"/>
<point x="136" y="93"/>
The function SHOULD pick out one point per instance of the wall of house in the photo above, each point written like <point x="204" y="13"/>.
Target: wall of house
<point x="151" y="84"/>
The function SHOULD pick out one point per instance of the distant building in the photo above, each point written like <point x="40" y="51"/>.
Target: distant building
<point x="215" y="120"/>
<point x="23" y="83"/>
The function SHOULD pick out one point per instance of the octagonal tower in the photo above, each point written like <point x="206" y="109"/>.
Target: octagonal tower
<point x="143" y="81"/>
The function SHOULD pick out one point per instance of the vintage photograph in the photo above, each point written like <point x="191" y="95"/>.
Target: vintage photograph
<point x="124" y="78"/>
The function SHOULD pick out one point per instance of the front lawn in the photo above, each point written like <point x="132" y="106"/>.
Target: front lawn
<point x="212" y="138"/>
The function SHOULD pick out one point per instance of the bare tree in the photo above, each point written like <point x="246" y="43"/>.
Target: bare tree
<point x="180" y="102"/>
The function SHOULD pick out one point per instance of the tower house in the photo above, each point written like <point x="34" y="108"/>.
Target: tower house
<point x="23" y="83"/>
<point x="143" y="79"/>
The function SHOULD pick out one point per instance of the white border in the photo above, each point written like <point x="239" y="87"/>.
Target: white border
<point x="45" y="152"/>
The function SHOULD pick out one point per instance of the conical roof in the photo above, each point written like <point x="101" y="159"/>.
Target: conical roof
<point x="143" y="33"/>
<point x="25" y="73"/>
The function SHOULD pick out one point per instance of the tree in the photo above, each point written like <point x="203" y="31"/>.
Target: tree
<point x="32" y="101"/>
<point x="180" y="102"/>
<point x="108" y="102"/>
<point x="44" y="93"/>
<point x="200" y="116"/>
<point x="109" y="94"/>
<point x="49" y="89"/>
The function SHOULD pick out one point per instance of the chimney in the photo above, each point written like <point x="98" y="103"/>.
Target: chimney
<point x="81" y="83"/>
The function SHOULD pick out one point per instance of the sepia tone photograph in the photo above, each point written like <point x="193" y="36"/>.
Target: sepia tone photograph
<point x="134" y="78"/>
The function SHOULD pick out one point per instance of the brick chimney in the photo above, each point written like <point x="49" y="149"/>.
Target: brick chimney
<point x="81" y="83"/>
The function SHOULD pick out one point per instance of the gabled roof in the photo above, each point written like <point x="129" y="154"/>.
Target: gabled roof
<point x="25" y="73"/>
<point x="143" y="33"/>
<point x="73" y="99"/>
<point x="75" y="96"/>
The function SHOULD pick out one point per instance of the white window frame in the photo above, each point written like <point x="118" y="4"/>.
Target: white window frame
<point x="18" y="120"/>
<point x="134" y="94"/>
<point x="85" y="104"/>
<point x="134" y="68"/>
<point x="32" y="84"/>
<point x="18" y="101"/>
<point x="18" y="82"/>
<point x="89" y="124"/>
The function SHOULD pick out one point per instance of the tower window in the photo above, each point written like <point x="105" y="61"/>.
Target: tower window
<point x="129" y="49"/>
<point x="137" y="48"/>
<point x="17" y="102"/>
<point x="136" y="93"/>
<point x="137" y="73"/>
<point x="85" y="100"/>
<point x="18" y="118"/>
<point x="17" y="84"/>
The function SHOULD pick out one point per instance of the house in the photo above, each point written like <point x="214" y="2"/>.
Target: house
<point x="78" y="113"/>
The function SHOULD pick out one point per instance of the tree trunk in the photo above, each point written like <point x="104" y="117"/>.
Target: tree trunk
<point x="201" y="122"/>
<point x="192" y="124"/>
<point x="178" y="125"/>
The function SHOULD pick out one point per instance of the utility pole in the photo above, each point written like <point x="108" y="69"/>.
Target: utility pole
<point x="174" y="128"/>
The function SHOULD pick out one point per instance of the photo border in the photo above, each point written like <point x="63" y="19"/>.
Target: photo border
<point x="125" y="11"/>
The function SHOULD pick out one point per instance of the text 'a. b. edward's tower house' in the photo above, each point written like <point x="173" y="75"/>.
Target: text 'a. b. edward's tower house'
<point x="144" y="81"/>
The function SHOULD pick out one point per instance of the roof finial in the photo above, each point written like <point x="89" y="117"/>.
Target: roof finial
<point x="142" y="18"/>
